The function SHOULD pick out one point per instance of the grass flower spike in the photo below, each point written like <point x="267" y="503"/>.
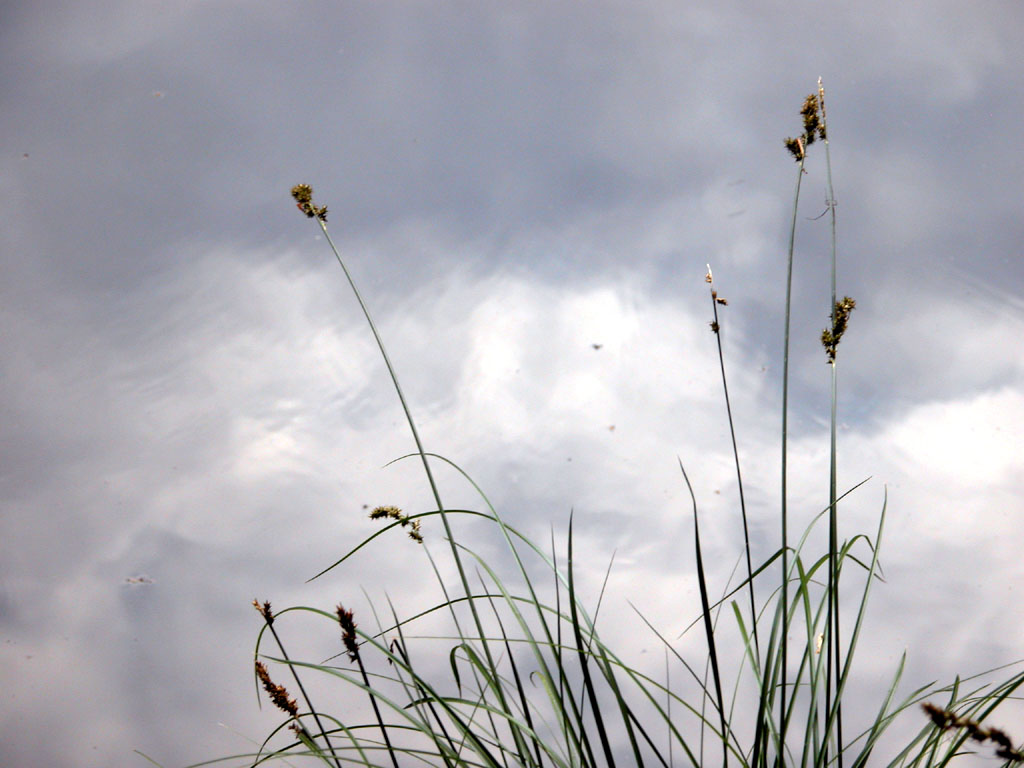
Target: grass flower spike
<point x="277" y="693"/>
<point x="348" y="632"/>
<point x="401" y="518"/>
<point x="303" y="194"/>
<point x="840" y="319"/>
<point x="814" y="128"/>
<point x="945" y="720"/>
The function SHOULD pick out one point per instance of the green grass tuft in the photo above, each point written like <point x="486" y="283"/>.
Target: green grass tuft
<point x="527" y="680"/>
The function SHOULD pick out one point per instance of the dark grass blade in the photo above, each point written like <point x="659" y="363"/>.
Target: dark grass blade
<point x="708" y="630"/>
<point x="583" y="658"/>
<point x="520" y="688"/>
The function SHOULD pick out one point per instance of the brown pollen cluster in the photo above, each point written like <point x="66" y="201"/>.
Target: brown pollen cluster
<point x="396" y="514"/>
<point x="946" y="720"/>
<point x="814" y="128"/>
<point x="277" y="693"/>
<point x="348" y="632"/>
<point x="830" y="337"/>
<point x="264" y="609"/>
<point x="303" y="194"/>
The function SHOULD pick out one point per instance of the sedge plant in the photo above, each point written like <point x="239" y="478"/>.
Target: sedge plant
<point x="527" y="680"/>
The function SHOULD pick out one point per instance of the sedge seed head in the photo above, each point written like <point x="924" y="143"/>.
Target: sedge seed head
<point x="277" y="693"/>
<point x="303" y="194"/>
<point x="388" y="511"/>
<point x="348" y="632"/>
<point x="264" y="609"/>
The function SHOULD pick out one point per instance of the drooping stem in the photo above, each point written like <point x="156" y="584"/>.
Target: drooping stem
<point x="303" y="195"/>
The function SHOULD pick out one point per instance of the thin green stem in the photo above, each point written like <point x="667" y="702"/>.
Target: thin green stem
<point x="422" y="453"/>
<point x="717" y="327"/>
<point x="784" y="646"/>
<point x="833" y="589"/>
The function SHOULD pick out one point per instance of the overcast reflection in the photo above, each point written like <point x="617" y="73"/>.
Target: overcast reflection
<point x="194" y="413"/>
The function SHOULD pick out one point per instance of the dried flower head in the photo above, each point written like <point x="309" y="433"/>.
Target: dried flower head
<point x="303" y="194"/>
<point x="795" y="148"/>
<point x="393" y="512"/>
<point x="348" y="632"/>
<point x="809" y="111"/>
<point x="264" y="609"/>
<point x="403" y="519"/>
<point x="830" y="337"/>
<point x="414" y="532"/>
<point x="277" y="693"/>
<point x="945" y="720"/>
<point x="813" y="128"/>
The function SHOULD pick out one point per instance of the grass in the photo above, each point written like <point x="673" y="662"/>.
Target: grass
<point x="525" y="678"/>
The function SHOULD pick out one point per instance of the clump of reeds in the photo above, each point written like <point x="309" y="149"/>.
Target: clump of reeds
<point x="530" y="682"/>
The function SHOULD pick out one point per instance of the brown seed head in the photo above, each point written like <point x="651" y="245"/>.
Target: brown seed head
<point x="348" y="632"/>
<point x="813" y="129"/>
<point x="264" y="609"/>
<point x="809" y="111"/>
<point x="303" y="194"/>
<point x="403" y="519"/>
<point x="414" y="532"/>
<point x="380" y="512"/>
<point x="946" y="720"/>
<point x="795" y="148"/>
<point x="277" y="693"/>
<point x="831" y="337"/>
